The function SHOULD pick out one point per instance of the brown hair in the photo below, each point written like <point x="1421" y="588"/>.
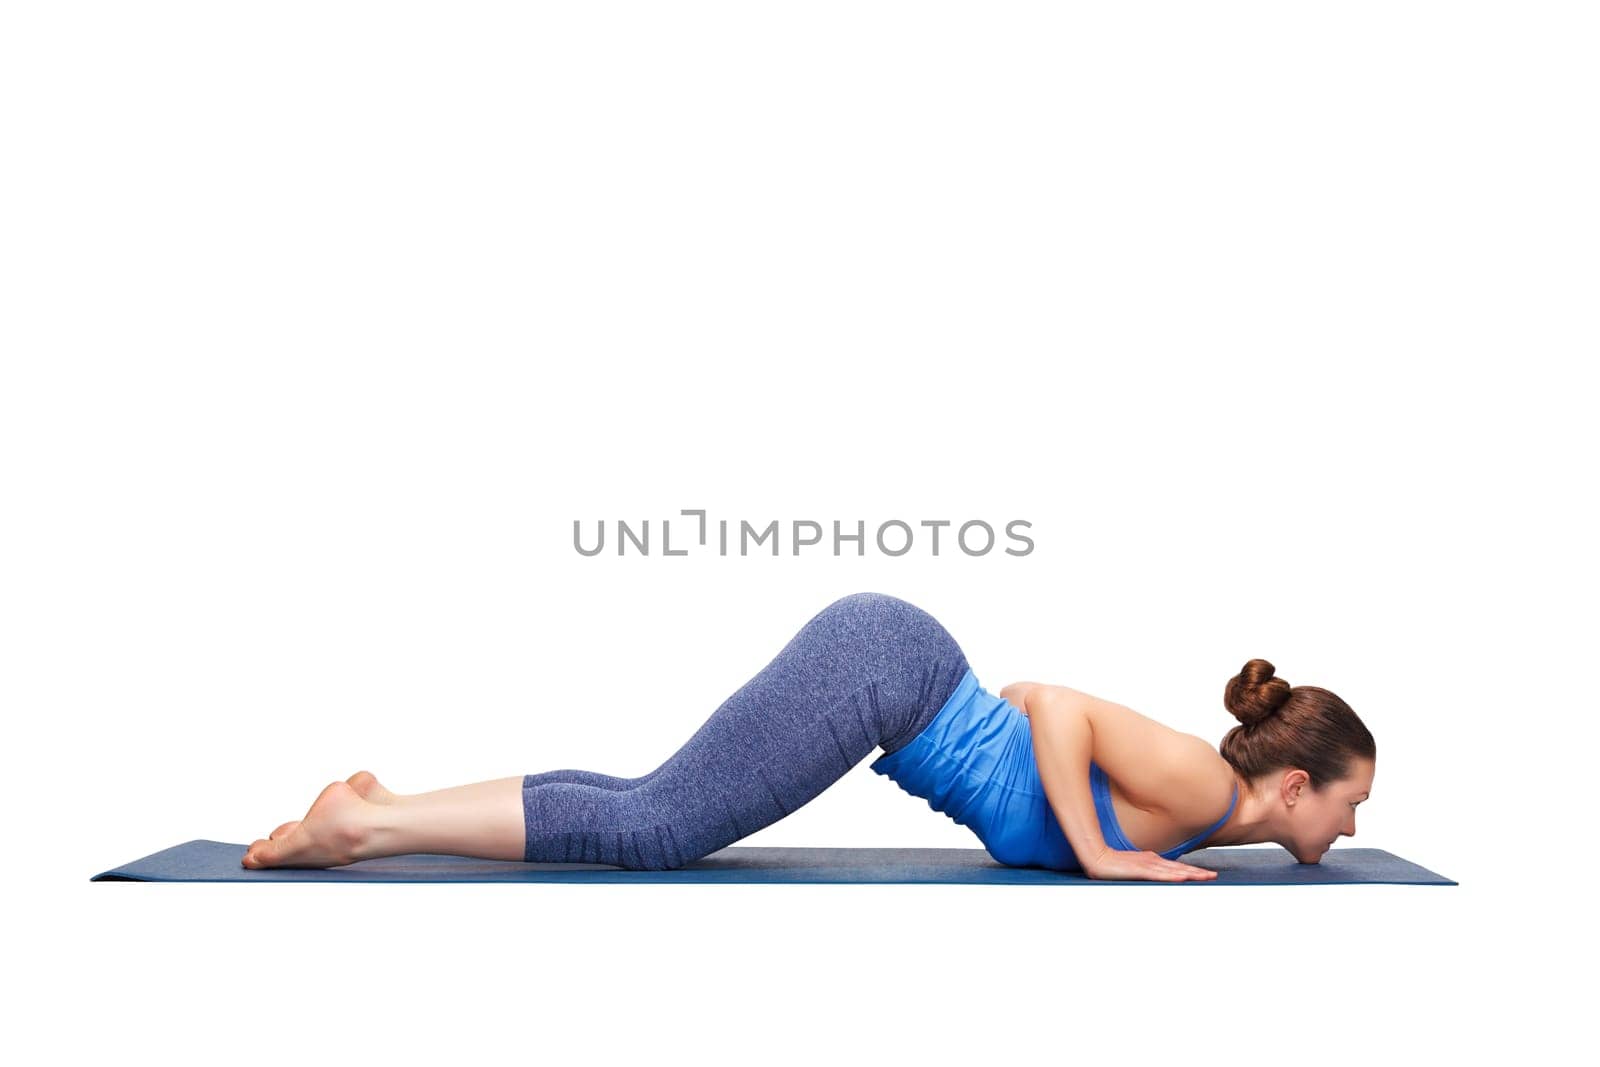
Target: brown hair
<point x="1283" y="726"/>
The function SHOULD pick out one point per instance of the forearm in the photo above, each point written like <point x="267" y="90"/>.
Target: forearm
<point x="1063" y="744"/>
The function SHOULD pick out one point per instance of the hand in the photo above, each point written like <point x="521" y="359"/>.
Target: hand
<point x="1144" y="866"/>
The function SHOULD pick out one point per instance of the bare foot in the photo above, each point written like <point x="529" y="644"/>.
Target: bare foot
<point x="334" y="832"/>
<point x="367" y="784"/>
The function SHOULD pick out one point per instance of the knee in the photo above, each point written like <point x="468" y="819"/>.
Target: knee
<point x="667" y="844"/>
<point x="658" y="862"/>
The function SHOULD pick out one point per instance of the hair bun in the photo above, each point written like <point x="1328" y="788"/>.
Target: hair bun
<point x="1254" y="693"/>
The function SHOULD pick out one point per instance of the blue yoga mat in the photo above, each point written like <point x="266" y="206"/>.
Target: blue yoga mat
<point x="218" y="861"/>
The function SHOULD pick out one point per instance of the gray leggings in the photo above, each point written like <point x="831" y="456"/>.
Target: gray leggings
<point x="867" y="670"/>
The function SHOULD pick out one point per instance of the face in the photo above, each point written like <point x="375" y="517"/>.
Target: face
<point x="1318" y="818"/>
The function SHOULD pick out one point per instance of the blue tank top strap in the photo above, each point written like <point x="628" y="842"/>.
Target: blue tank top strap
<point x="1100" y="786"/>
<point x="1177" y="850"/>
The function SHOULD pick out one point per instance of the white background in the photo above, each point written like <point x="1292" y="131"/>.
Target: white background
<point x="324" y="322"/>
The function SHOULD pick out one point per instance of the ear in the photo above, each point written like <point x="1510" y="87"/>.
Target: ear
<point x="1296" y="784"/>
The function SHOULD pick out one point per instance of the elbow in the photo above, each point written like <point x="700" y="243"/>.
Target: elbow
<point x="1017" y="694"/>
<point x="1052" y="701"/>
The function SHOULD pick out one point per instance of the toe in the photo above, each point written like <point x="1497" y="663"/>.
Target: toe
<point x="271" y="853"/>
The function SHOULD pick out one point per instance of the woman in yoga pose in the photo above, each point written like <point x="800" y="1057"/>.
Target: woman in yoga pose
<point x="1045" y="776"/>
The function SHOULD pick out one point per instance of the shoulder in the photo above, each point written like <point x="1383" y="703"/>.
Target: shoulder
<point x="1158" y="768"/>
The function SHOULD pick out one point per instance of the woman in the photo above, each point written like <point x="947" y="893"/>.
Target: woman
<point x="1045" y="775"/>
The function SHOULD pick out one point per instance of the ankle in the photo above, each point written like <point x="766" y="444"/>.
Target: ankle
<point x="371" y="832"/>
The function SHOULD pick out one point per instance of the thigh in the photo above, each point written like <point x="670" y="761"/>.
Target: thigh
<point x="861" y="673"/>
<point x="870" y="667"/>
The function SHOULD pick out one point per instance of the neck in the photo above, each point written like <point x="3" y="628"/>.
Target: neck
<point x="1250" y="823"/>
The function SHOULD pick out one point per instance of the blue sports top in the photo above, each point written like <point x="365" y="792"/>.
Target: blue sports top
<point x="974" y="762"/>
